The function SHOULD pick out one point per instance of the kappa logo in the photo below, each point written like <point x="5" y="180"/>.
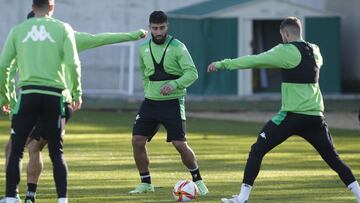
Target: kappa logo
<point x="263" y="135"/>
<point x="12" y="131"/>
<point x="137" y="118"/>
<point x="38" y="34"/>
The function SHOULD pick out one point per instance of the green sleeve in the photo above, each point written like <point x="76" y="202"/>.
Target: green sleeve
<point x="72" y="62"/>
<point x="86" y="41"/>
<point x="285" y="56"/>
<point x="6" y="58"/>
<point x="12" y="87"/>
<point x="190" y="74"/>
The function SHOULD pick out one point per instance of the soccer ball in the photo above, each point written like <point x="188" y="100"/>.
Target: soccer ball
<point x="185" y="191"/>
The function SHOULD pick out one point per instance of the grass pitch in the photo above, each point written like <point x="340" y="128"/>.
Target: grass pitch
<point x="101" y="167"/>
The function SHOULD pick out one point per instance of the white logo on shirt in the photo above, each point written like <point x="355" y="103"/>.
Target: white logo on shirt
<point x="38" y="34"/>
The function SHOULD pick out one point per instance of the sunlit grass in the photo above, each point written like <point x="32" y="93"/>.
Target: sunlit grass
<point x="101" y="167"/>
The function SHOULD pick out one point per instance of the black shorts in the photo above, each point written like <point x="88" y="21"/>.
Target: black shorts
<point x="39" y="130"/>
<point x="168" y="113"/>
<point x="312" y="128"/>
<point x="31" y="110"/>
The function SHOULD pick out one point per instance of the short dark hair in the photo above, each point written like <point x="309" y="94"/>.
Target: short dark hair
<point x="292" y="24"/>
<point x="30" y="15"/>
<point x="42" y="3"/>
<point x="158" y="17"/>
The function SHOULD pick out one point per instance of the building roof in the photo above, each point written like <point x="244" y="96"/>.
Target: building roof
<point x="206" y="7"/>
<point x="213" y="8"/>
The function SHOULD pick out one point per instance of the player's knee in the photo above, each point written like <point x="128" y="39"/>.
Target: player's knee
<point x="56" y="155"/>
<point x="34" y="149"/>
<point x="8" y="148"/>
<point x="16" y="150"/>
<point x="138" y="141"/>
<point x="56" y="158"/>
<point x="257" y="151"/>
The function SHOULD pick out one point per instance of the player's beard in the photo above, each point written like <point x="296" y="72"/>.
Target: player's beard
<point x="159" y="39"/>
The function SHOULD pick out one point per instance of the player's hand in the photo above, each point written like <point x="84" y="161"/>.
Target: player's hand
<point x="144" y="33"/>
<point x="212" y="67"/>
<point x="166" y="89"/>
<point x="6" y="108"/>
<point x="76" y="105"/>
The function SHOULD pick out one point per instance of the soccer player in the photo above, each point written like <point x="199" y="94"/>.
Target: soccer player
<point x="36" y="142"/>
<point x="302" y="105"/>
<point x="167" y="70"/>
<point x="40" y="45"/>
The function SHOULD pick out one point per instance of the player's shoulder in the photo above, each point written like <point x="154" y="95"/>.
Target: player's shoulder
<point x="282" y="47"/>
<point x="314" y="46"/>
<point x="177" y="43"/>
<point x="60" y="24"/>
<point x="144" y="44"/>
<point x="286" y="47"/>
<point x="65" y="25"/>
<point x="20" y="25"/>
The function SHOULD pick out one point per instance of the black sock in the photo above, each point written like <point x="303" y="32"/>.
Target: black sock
<point x="145" y="177"/>
<point x="195" y="173"/>
<point x="31" y="193"/>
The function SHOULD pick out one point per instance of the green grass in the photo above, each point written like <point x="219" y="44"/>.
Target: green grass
<point x="101" y="166"/>
<point x="225" y="104"/>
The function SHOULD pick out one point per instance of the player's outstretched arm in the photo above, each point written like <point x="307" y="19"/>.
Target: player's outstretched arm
<point x="281" y="56"/>
<point x="85" y="41"/>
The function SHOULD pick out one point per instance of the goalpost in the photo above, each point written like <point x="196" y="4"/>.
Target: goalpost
<point x="116" y="74"/>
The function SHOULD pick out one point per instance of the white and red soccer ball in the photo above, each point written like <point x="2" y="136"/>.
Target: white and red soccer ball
<point x="185" y="191"/>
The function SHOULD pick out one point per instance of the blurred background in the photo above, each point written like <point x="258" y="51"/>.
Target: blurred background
<point x="212" y="30"/>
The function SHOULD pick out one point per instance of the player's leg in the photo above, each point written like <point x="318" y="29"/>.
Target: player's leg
<point x="176" y="131"/>
<point x="36" y="143"/>
<point x="35" y="164"/>
<point x="187" y="156"/>
<point x="7" y="151"/>
<point x="269" y="137"/>
<point x="144" y="129"/>
<point x="22" y="123"/>
<point x="172" y="116"/>
<point x="7" y="154"/>
<point x="54" y="126"/>
<point x="320" y="138"/>
<point x="189" y="160"/>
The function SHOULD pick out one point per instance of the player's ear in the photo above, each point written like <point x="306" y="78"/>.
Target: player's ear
<point x="52" y="7"/>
